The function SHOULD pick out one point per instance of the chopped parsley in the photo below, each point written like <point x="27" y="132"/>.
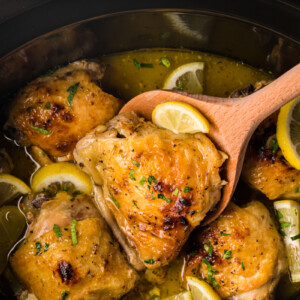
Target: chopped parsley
<point x="47" y="105"/>
<point x="41" y="130"/>
<point x="281" y="232"/>
<point x="149" y="261"/>
<point x="296" y="190"/>
<point x="280" y="215"/>
<point x="73" y="232"/>
<point x="114" y="201"/>
<point x="165" y="62"/>
<point x="153" y="196"/>
<point x="46" y="247"/>
<point x="43" y="153"/>
<point x="224" y="234"/>
<point x="193" y="253"/>
<point x="65" y="188"/>
<point x="141" y="65"/>
<point x="151" y="179"/>
<point x="57" y="230"/>
<point x="227" y="254"/>
<point x="274" y="145"/>
<point x="142" y="180"/>
<point x="72" y="199"/>
<point x="296" y="237"/>
<point x="38" y="246"/>
<point x="131" y="173"/>
<point x="181" y="86"/>
<point x="64" y="295"/>
<point x="161" y="196"/>
<point x="72" y="90"/>
<point x="50" y="71"/>
<point x="145" y="65"/>
<point x="210" y="273"/>
<point x="186" y="189"/>
<point x="136" y="163"/>
<point x="134" y="203"/>
<point x="175" y="193"/>
<point x="208" y="248"/>
<point x="243" y="267"/>
<point x="284" y="224"/>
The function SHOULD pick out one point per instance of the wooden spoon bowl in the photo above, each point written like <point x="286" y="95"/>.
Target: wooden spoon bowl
<point x="233" y="120"/>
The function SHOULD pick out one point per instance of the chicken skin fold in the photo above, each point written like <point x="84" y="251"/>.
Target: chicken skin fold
<point x="154" y="186"/>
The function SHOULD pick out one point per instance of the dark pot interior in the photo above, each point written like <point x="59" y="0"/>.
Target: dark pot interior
<point x="220" y="34"/>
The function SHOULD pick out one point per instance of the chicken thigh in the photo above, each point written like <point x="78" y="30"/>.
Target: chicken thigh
<point x="241" y="253"/>
<point x="154" y="186"/>
<point x="50" y="264"/>
<point x="54" y="111"/>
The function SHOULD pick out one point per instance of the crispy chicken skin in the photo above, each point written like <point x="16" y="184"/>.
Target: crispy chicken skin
<point x="94" y="268"/>
<point x="247" y="253"/>
<point x="67" y="104"/>
<point x="157" y="185"/>
<point x="266" y="169"/>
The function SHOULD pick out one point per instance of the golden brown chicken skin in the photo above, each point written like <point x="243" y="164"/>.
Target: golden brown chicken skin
<point x="241" y="254"/>
<point x="266" y="169"/>
<point x="50" y="265"/>
<point x="56" y="110"/>
<point x="157" y="185"/>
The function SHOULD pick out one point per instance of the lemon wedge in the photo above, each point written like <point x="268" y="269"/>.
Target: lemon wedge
<point x="288" y="212"/>
<point x="182" y="296"/>
<point x="61" y="172"/>
<point x="201" y="290"/>
<point x="288" y="132"/>
<point x="179" y="117"/>
<point x="187" y="77"/>
<point x="11" y="187"/>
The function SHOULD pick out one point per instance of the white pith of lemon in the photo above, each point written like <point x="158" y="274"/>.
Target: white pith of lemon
<point x="11" y="187"/>
<point x="288" y="212"/>
<point x="179" y="117"/>
<point x="187" y="77"/>
<point x="182" y="296"/>
<point x="288" y="132"/>
<point x="61" y="172"/>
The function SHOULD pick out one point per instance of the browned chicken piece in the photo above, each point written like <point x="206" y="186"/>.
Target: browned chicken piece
<point x="49" y="264"/>
<point x="241" y="254"/>
<point x="266" y="169"/>
<point x="55" y="111"/>
<point x="155" y="186"/>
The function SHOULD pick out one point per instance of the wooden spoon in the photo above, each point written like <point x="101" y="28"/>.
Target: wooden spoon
<point x="233" y="120"/>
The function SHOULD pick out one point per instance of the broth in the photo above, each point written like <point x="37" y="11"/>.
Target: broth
<point x="123" y="79"/>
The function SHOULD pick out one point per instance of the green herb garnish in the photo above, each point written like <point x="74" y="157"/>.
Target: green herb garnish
<point x="142" y="180"/>
<point x="114" y="201"/>
<point x="243" y="267"/>
<point x="208" y="248"/>
<point x="210" y="273"/>
<point x="165" y="62"/>
<point x="149" y="261"/>
<point x="181" y="86"/>
<point x="47" y="105"/>
<point x="136" y="163"/>
<point x="227" y="254"/>
<point x="151" y="179"/>
<point x="72" y="199"/>
<point x="296" y="237"/>
<point x="274" y="145"/>
<point x="72" y="90"/>
<point x="134" y="203"/>
<point x="38" y="246"/>
<point x="136" y="64"/>
<point x="281" y="232"/>
<point x="64" y="295"/>
<point x="193" y="253"/>
<point x="175" y="193"/>
<point x="65" y="188"/>
<point x="161" y="196"/>
<point x="186" y="189"/>
<point x="41" y="130"/>
<point x="131" y="173"/>
<point x="145" y="65"/>
<point x="224" y="234"/>
<point x="280" y="215"/>
<point x="57" y="230"/>
<point x="73" y="232"/>
<point x="153" y="196"/>
<point x="284" y="224"/>
<point x="46" y="247"/>
<point x="296" y="190"/>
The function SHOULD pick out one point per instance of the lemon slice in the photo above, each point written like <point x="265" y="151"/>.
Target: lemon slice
<point x="288" y="212"/>
<point x="201" y="290"/>
<point x="179" y="117"/>
<point x="11" y="187"/>
<point x="61" y="172"/>
<point x="182" y="296"/>
<point x="288" y="132"/>
<point x="187" y="77"/>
